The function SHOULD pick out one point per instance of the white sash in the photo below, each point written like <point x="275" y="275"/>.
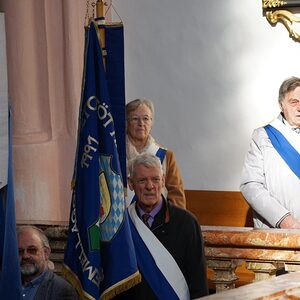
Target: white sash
<point x="163" y="259"/>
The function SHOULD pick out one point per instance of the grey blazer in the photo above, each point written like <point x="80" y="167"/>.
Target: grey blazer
<point x="54" y="287"/>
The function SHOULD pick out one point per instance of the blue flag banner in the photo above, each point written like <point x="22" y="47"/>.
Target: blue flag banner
<point x="99" y="259"/>
<point x="115" y="74"/>
<point x="10" y="277"/>
<point x="288" y="153"/>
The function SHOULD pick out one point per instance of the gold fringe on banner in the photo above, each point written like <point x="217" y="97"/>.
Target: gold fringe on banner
<point x="122" y="286"/>
<point x="74" y="280"/>
<point x="108" y="294"/>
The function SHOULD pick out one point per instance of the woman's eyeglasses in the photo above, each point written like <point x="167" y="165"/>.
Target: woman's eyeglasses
<point x="137" y="119"/>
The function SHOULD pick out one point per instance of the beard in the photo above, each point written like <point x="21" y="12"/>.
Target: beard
<point x="29" y="268"/>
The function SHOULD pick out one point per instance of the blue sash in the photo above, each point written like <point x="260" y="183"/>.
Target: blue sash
<point x="147" y="266"/>
<point x="285" y="149"/>
<point x="161" y="154"/>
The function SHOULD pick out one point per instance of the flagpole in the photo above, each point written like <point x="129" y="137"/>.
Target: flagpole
<point x="100" y="15"/>
<point x="100" y="10"/>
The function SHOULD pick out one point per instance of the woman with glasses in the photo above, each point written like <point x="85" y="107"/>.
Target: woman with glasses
<point x="139" y="120"/>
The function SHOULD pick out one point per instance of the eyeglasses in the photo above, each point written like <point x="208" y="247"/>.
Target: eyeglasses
<point x="30" y="250"/>
<point x="137" y="119"/>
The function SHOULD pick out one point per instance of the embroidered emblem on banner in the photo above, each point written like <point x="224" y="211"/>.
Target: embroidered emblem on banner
<point x="111" y="204"/>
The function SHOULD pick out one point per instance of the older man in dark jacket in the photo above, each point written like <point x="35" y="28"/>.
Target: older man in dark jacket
<point x="167" y="239"/>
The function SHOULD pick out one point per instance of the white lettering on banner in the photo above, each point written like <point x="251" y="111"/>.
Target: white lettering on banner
<point x="93" y="104"/>
<point x="73" y="219"/>
<point x="86" y="157"/>
<point x="104" y="114"/>
<point x="93" y="273"/>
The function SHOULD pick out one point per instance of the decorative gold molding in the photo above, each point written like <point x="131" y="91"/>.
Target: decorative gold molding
<point x="273" y="3"/>
<point x="287" y="17"/>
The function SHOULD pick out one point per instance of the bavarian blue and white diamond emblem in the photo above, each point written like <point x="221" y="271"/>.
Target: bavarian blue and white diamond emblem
<point x="112" y="206"/>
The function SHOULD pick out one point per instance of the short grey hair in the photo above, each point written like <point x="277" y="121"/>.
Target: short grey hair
<point x="145" y="159"/>
<point x="41" y="234"/>
<point x="134" y="104"/>
<point x="287" y="86"/>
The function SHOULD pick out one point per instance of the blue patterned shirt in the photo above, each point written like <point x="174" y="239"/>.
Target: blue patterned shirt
<point x="29" y="289"/>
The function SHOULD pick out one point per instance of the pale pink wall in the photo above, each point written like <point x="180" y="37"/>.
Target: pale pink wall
<point x="45" y="56"/>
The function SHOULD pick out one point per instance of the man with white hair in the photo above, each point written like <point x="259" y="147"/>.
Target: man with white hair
<point x="167" y="239"/>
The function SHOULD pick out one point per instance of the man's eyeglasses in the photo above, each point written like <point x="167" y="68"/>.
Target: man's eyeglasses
<point x="30" y="250"/>
<point x="137" y="119"/>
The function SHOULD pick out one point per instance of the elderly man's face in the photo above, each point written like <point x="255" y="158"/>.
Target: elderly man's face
<point x="290" y="106"/>
<point x="33" y="255"/>
<point x="147" y="184"/>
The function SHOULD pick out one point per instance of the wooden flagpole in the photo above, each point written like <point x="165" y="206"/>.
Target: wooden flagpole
<point x="100" y="13"/>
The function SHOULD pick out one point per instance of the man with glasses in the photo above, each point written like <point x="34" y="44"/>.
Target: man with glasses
<point x="37" y="280"/>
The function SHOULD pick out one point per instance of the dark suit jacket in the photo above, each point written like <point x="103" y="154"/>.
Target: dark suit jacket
<point x="178" y="230"/>
<point x="54" y="287"/>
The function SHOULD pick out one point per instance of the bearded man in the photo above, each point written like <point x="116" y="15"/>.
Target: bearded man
<point x="38" y="282"/>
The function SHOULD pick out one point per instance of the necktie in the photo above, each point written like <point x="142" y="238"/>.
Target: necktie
<point x="297" y="129"/>
<point x="145" y="218"/>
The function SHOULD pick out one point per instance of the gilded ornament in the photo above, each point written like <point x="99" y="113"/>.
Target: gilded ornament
<point x="273" y="3"/>
<point x="287" y="19"/>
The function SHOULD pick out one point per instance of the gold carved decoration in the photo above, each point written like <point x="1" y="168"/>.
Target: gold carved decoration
<point x="273" y="3"/>
<point x="288" y="18"/>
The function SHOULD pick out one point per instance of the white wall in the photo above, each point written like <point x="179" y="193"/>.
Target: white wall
<point x="212" y="69"/>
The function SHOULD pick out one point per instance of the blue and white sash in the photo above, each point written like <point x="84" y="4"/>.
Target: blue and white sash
<point x="155" y="262"/>
<point x="287" y="144"/>
<point x="160" y="152"/>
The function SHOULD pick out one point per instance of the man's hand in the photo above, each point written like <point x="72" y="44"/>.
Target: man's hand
<point x="290" y="223"/>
